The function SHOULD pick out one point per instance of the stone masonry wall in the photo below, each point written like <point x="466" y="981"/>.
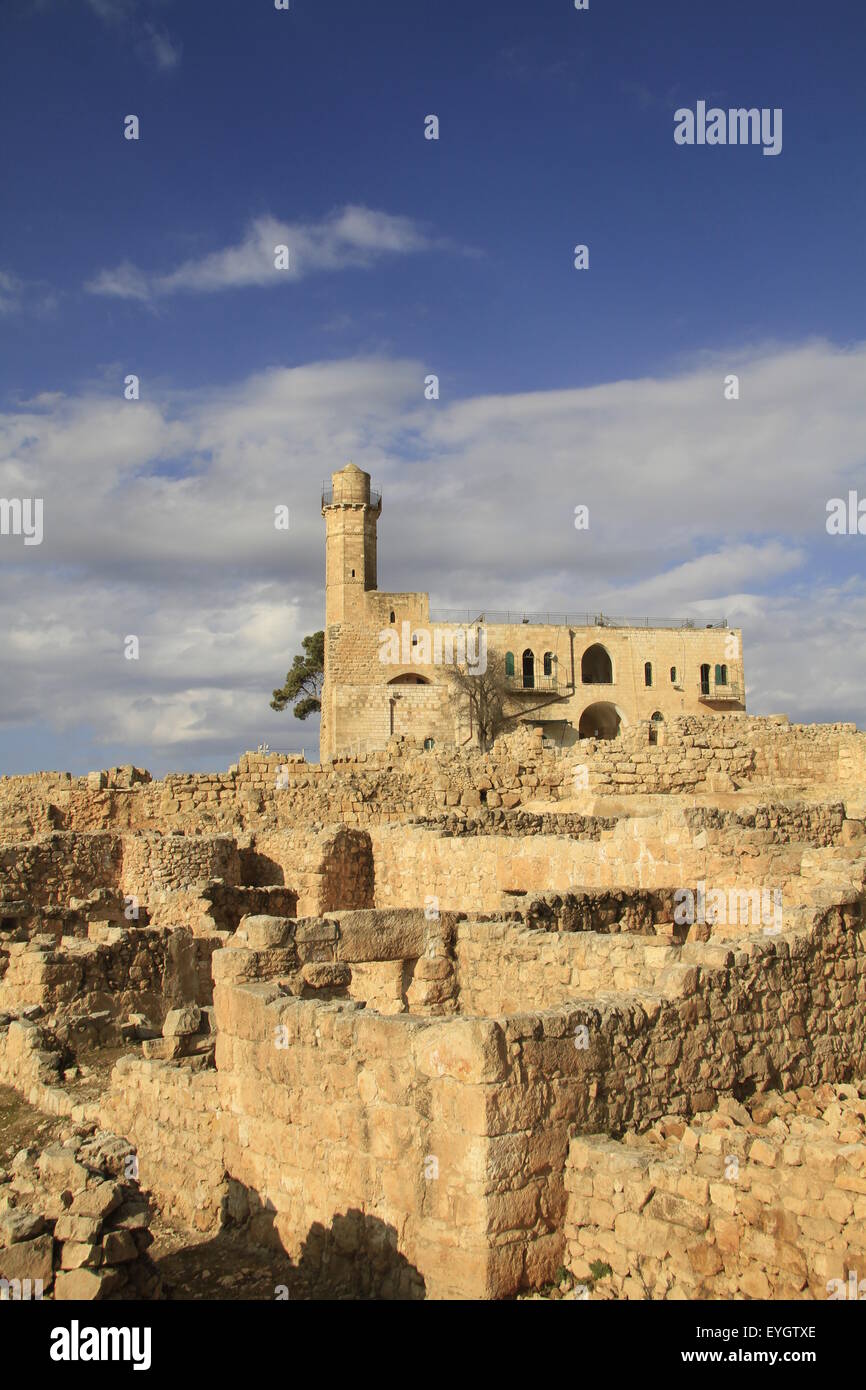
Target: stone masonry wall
<point x="503" y="969"/>
<point x="173" y="1114"/>
<point x="695" y="753"/>
<point x="347" y="1117"/>
<point x="51" y="870"/>
<point x="487" y="874"/>
<point x="146" y="970"/>
<point x="766" y="1200"/>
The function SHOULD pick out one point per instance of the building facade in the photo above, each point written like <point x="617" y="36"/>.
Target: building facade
<point x="579" y="676"/>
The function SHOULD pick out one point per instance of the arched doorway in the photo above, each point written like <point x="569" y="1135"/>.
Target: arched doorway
<point x="528" y="669"/>
<point x="600" y="720"/>
<point x="705" y="679"/>
<point x="596" y="667"/>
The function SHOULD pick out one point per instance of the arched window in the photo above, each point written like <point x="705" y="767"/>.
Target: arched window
<point x="647" y="673"/>
<point x="721" y="675"/>
<point x="657" y="717"/>
<point x="548" y="663"/>
<point x="428" y="744"/>
<point x="392" y="619"/>
<point x="673" y="675"/>
<point x="596" y="667"/>
<point x="528" y="669"/>
<point x="705" y="679"/>
<point x="509" y="663"/>
<point x="600" y="720"/>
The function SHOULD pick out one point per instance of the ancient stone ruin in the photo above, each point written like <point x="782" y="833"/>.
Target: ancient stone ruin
<point x="582" y="1021"/>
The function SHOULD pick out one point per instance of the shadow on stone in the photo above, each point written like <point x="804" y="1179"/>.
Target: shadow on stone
<point x="355" y="1257"/>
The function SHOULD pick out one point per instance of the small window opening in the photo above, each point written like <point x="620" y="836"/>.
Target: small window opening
<point x="648" y="673"/>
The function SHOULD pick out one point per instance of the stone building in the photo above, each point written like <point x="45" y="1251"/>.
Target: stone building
<point x="577" y="675"/>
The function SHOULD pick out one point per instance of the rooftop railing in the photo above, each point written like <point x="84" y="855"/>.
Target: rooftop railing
<point x="328" y="495"/>
<point x="517" y="616"/>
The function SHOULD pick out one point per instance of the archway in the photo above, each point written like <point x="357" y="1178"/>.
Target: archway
<point x="409" y="678"/>
<point x="596" y="667"/>
<point x="528" y="669"/>
<point x="600" y="720"/>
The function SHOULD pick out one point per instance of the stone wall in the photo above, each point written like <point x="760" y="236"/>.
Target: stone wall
<point x="328" y="868"/>
<point x="502" y="969"/>
<point x="444" y="1140"/>
<point x="137" y="970"/>
<point x="174" y="1115"/>
<point x="694" y="754"/>
<point x="64" y="864"/>
<point x="766" y="1200"/>
<point x="487" y="874"/>
<point x="156" y="864"/>
<point x="50" y="870"/>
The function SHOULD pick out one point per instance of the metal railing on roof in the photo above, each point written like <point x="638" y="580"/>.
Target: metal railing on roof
<point x="477" y="616"/>
<point x="328" y="495"/>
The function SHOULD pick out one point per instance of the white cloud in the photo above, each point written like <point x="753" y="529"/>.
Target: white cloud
<point x="158" y="521"/>
<point x="349" y="238"/>
<point x="124" y="281"/>
<point x="152" y="42"/>
<point x="158" y="46"/>
<point x="19" y="296"/>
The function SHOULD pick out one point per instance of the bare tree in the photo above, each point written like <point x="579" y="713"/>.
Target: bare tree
<point x="481" y="695"/>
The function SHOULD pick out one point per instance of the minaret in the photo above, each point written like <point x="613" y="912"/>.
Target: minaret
<point x="351" y="512"/>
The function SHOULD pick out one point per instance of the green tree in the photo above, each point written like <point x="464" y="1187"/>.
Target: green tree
<point x="305" y="679"/>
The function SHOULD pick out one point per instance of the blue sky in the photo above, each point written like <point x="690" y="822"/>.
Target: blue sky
<point x="413" y="256"/>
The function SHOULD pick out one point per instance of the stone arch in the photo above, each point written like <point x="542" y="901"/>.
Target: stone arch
<point x="600" y="720"/>
<point x="596" y="667"/>
<point x="409" y="678"/>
